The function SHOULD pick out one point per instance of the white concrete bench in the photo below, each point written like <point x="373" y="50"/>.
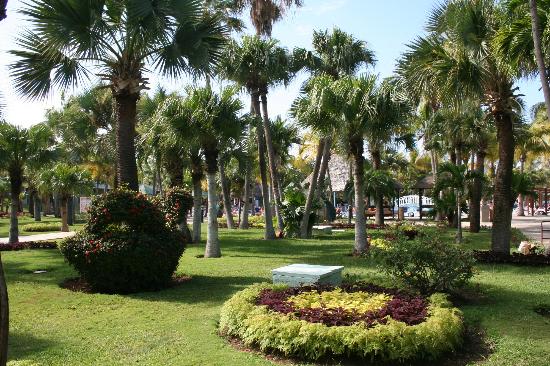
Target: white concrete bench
<point x="322" y="229"/>
<point x="307" y="274"/>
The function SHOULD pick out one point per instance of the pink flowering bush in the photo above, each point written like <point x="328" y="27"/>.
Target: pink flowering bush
<point x="127" y="245"/>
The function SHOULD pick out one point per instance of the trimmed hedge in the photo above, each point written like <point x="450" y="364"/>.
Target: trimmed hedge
<point x="269" y="330"/>
<point x="127" y="245"/>
<point x="28" y="245"/>
<point x="41" y="227"/>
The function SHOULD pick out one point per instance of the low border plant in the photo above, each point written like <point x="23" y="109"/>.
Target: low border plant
<point x="247" y="317"/>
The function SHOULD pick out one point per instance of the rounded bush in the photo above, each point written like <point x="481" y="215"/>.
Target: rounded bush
<point x="390" y="326"/>
<point x="126" y="246"/>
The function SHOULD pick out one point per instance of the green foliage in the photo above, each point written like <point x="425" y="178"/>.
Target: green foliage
<point x="126" y="246"/>
<point x="337" y="299"/>
<point x="427" y="264"/>
<point x="65" y="180"/>
<point x="270" y="331"/>
<point x="176" y="204"/>
<point x="293" y="211"/>
<point x="41" y="227"/>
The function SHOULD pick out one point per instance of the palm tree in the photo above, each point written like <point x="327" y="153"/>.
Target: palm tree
<point x="66" y="180"/>
<point x="256" y="64"/>
<point x="529" y="140"/>
<point x="351" y="102"/>
<point x="389" y="125"/>
<point x="20" y="147"/>
<point x="215" y="123"/>
<point x="456" y="60"/>
<point x="336" y="54"/>
<point x="3" y="14"/>
<point x="457" y="177"/>
<point x="521" y="39"/>
<point x="264" y="13"/>
<point x="125" y="40"/>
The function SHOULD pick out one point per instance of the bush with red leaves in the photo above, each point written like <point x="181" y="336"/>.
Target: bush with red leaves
<point x="487" y="256"/>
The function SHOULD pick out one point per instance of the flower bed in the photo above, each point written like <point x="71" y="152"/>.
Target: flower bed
<point x="487" y="256"/>
<point x="359" y="320"/>
<point x="28" y="245"/>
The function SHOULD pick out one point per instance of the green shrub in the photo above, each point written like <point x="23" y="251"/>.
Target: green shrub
<point x="126" y="246"/>
<point x="42" y="227"/>
<point x="257" y="326"/>
<point x="427" y="264"/>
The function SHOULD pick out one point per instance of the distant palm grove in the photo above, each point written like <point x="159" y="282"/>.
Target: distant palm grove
<point x="449" y="130"/>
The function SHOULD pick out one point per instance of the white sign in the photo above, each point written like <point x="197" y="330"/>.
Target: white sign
<point x="85" y="203"/>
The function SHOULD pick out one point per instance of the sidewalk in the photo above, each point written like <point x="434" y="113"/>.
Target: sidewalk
<point x="41" y="237"/>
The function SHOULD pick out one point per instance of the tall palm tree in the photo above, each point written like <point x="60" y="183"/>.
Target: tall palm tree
<point x="521" y="39"/>
<point x="66" y="180"/>
<point x="457" y="59"/>
<point x="125" y="39"/>
<point x="215" y="123"/>
<point x="336" y="54"/>
<point x="3" y="9"/>
<point x="257" y="64"/>
<point x="264" y="13"/>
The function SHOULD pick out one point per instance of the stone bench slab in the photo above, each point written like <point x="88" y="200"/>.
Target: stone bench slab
<point x="307" y="274"/>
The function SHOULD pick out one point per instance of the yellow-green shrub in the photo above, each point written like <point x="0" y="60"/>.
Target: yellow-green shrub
<point x="394" y="341"/>
<point x="360" y="301"/>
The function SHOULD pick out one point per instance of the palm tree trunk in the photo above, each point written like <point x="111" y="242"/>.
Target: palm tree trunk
<point x="4" y="316"/>
<point x="321" y="187"/>
<point x="477" y="191"/>
<point x="125" y="134"/>
<point x="159" y="175"/>
<point x="32" y="195"/>
<point x="212" y="240"/>
<point x="37" y="209"/>
<point x="521" y="211"/>
<point x="350" y="203"/>
<point x="458" y="238"/>
<point x="272" y="163"/>
<point x="246" y="193"/>
<point x="304" y="225"/>
<point x="502" y="207"/>
<point x="269" y="231"/>
<point x="64" y="218"/>
<point x="226" y="194"/>
<point x="535" y="27"/>
<point x="197" y="208"/>
<point x="16" y="180"/>
<point x="379" y="198"/>
<point x="361" y="244"/>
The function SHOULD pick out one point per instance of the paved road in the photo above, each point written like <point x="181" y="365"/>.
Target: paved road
<point x="41" y="237"/>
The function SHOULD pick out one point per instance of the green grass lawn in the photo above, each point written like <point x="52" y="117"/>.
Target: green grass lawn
<point x="24" y="220"/>
<point x="177" y="326"/>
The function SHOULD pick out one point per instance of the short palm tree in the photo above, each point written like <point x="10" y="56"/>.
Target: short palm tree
<point x="66" y="180"/>
<point x="20" y="148"/>
<point x="215" y="122"/>
<point x="124" y="40"/>
<point x="458" y="178"/>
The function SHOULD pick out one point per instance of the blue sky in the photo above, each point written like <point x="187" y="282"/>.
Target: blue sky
<point x="385" y="25"/>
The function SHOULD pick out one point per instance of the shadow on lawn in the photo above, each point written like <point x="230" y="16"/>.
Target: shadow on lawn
<point x="201" y="289"/>
<point x="23" y="345"/>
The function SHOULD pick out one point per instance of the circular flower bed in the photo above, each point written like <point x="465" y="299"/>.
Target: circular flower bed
<point x="359" y="320"/>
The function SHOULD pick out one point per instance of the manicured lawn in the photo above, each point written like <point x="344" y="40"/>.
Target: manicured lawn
<point x="177" y="326"/>
<point x="24" y="220"/>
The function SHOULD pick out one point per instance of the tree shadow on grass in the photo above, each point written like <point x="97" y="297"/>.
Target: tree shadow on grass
<point x="23" y="345"/>
<point x="201" y="289"/>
